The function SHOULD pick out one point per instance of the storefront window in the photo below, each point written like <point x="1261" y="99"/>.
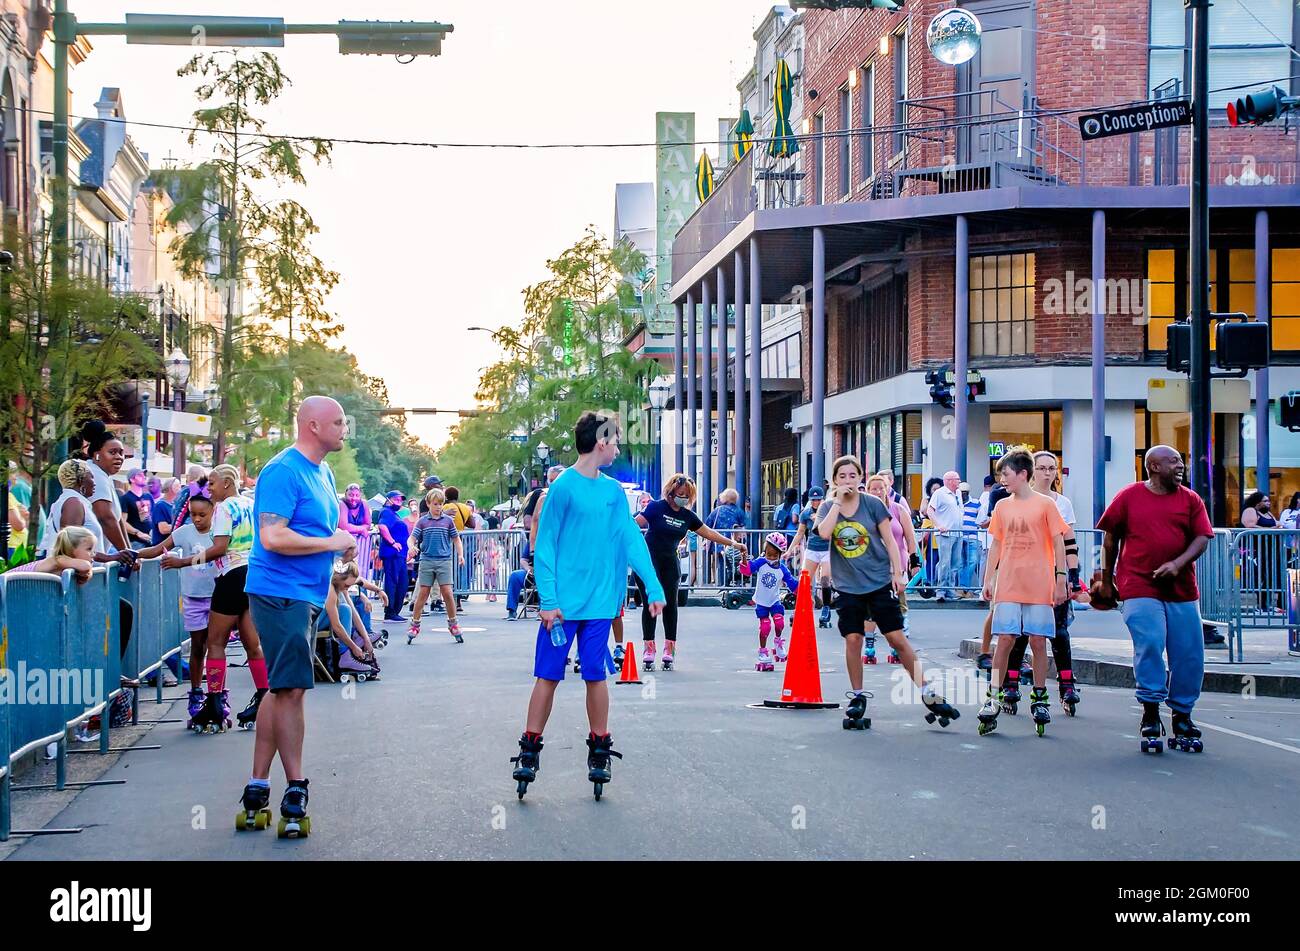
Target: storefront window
<point x="1036" y="429"/>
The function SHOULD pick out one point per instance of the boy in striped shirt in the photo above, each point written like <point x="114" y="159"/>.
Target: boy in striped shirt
<point x="434" y="539"/>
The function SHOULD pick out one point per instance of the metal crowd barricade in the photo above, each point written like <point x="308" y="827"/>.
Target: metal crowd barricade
<point x="1218" y="573"/>
<point x="60" y="645"/>
<point x="490" y="558"/>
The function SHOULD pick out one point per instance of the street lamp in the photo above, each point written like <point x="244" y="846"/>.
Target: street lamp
<point x="178" y="374"/>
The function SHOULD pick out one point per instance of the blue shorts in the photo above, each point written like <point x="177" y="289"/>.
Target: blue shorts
<point x="552" y="660"/>
<point x="1034" y="620"/>
<point x="763" y="613"/>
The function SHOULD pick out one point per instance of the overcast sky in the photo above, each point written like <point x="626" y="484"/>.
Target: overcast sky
<point x="429" y="241"/>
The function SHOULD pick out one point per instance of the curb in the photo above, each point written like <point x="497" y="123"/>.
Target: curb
<point x="1106" y="673"/>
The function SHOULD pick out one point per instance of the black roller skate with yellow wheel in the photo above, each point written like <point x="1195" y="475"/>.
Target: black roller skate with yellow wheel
<point x="294" y="821"/>
<point x="255" y="815"/>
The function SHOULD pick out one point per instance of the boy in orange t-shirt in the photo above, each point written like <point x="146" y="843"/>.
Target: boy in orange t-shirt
<point x="1025" y="580"/>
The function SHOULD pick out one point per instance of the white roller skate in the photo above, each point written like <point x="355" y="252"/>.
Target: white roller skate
<point x="778" y="649"/>
<point x="764" y="662"/>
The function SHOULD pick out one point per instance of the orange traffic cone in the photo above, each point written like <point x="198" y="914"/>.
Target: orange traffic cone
<point x="802" y="689"/>
<point x="629" y="674"/>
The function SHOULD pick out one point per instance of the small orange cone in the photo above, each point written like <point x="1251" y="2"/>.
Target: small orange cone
<point x="802" y="689"/>
<point x="629" y="674"/>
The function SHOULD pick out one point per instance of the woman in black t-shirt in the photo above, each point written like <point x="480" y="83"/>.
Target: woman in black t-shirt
<point x="666" y="522"/>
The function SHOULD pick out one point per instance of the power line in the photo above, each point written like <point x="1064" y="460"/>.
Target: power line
<point x="1266" y="29"/>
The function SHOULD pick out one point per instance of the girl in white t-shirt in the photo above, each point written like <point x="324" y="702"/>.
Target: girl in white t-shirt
<point x="187" y="544"/>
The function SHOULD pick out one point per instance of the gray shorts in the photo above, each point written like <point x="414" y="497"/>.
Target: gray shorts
<point x="287" y="629"/>
<point x="1035" y="620"/>
<point x="436" y="573"/>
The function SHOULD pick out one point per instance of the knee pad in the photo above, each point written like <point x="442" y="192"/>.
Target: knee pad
<point x="779" y="621"/>
<point x="764" y="626"/>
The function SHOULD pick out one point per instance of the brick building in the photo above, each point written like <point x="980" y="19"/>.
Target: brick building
<point x="918" y="175"/>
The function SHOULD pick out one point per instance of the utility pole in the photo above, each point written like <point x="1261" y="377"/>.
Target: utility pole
<point x="1202" y="481"/>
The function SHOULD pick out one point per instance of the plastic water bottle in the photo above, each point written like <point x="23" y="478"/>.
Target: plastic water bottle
<point x="558" y="637"/>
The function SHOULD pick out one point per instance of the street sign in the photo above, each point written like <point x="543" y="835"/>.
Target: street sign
<point x="997" y="450"/>
<point x="1157" y="115"/>
<point x="520" y="438"/>
<point x="186" y="424"/>
<point x="1172" y="396"/>
<point x="205" y="30"/>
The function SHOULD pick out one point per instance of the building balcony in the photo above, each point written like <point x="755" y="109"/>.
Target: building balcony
<point x="967" y="154"/>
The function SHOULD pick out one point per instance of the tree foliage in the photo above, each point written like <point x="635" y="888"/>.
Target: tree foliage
<point x="67" y="329"/>
<point x="566" y="356"/>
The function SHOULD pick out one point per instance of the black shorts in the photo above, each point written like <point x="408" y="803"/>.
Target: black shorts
<point x="881" y="606"/>
<point x="228" y="595"/>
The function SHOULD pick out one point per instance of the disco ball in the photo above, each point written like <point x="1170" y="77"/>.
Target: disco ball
<point x="953" y="36"/>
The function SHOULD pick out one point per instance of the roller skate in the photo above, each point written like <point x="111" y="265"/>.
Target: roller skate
<point x="294" y="821"/>
<point x="412" y="632"/>
<point x="869" y="651"/>
<point x="893" y="657"/>
<point x="985" y="663"/>
<point x="988" y="715"/>
<point x="453" y="628"/>
<point x="1187" y="737"/>
<point x="1026" y="674"/>
<point x="529" y="761"/>
<point x="824" y="620"/>
<point x="778" y="649"/>
<point x="618" y="655"/>
<point x="197" y="699"/>
<point x="1152" y="729"/>
<point x="648" y="656"/>
<point x="599" y="750"/>
<point x="215" y="715"/>
<point x="255" y="814"/>
<point x="939" y="709"/>
<point x="855" y="714"/>
<point x="1010" y="697"/>
<point x="248" y="716"/>
<point x="1070" y="694"/>
<point x="382" y="641"/>
<point x="577" y="664"/>
<point x="670" y="656"/>
<point x="764" y="662"/>
<point x="1038" y="709"/>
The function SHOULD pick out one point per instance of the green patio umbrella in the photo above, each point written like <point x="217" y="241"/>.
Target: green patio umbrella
<point x="743" y="136"/>
<point x="704" y="178"/>
<point x="783" y="142"/>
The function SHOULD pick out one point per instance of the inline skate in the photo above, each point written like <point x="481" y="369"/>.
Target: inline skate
<point x="1187" y="736"/>
<point x="1070" y="694"/>
<point x="648" y="656"/>
<point x="1010" y="697"/>
<point x="824" y="619"/>
<point x="254" y="815"/>
<point x="985" y="663"/>
<point x="599" y="750"/>
<point x="869" y="651"/>
<point x="988" y="715"/>
<point x="1152" y="729"/>
<point x="1038" y="709"/>
<point x="453" y="628"/>
<point x="529" y="761"/>
<point x="294" y="821"/>
<point x="412" y="632"/>
<point x="197" y="699"/>
<point x="764" y="662"/>
<point x="247" y="717"/>
<point x="855" y="715"/>
<point x="939" y="709"/>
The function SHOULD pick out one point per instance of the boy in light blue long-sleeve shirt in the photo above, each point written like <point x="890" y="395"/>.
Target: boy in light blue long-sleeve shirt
<point x="585" y="541"/>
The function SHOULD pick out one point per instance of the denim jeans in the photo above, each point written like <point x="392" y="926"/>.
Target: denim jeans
<point x="1161" y="628"/>
<point x="515" y="587"/>
<point x="950" y="547"/>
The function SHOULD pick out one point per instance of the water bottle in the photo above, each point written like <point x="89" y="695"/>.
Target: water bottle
<point x="558" y="637"/>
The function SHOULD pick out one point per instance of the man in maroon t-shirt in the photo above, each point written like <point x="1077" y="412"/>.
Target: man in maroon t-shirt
<point x="1158" y="528"/>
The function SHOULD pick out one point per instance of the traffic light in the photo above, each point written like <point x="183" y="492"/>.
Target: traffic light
<point x="1288" y="410"/>
<point x="1241" y="345"/>
<point x="893" y="6"/>
<point x="1178" y="350"/>
<point x="940" y="386"/>
<point x="1260" y="107"/>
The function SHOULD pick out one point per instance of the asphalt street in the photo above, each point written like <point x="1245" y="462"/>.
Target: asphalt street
<point x="417" y="766"/>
